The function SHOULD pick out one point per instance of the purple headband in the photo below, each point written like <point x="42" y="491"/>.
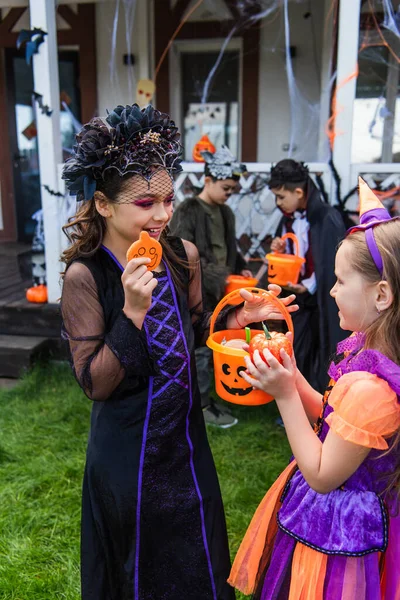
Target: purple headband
<point x="368" y="221"/>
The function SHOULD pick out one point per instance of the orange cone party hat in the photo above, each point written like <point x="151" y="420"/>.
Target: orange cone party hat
<point x="368" y="200"/>
<point x="372" y="213"/>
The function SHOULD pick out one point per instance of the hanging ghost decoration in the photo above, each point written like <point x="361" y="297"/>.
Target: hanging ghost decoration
<point x="145" y="91"/>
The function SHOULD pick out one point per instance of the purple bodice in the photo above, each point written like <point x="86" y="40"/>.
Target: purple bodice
<point x="353" y="519"/>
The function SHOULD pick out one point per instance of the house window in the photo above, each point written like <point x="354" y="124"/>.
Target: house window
<point x="218" y="117"/>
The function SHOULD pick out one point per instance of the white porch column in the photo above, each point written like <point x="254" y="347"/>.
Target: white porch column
<point x="46" y="82"/>
<point x="347" y="59"/>
<point x="144" y="40"/>
<point x="326" y="75"/>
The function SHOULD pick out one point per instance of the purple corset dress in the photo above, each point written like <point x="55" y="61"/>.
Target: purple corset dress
<point x="153" y="525"/>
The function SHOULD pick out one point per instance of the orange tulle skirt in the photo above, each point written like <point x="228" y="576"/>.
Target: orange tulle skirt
<point x="311" y="575"/>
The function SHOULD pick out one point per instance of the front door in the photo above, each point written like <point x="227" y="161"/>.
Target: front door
<point x="23" y="135"/>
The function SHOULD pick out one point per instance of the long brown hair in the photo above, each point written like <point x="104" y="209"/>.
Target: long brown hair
<point x="384" y="333"/>
<point x="85" y="231"/>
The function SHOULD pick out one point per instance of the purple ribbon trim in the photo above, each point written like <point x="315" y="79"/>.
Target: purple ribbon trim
<point x="373" y="249"/>
<point x="375" y="214"/>
<point x="115" y="259"/>
<point x="140" y="483"/>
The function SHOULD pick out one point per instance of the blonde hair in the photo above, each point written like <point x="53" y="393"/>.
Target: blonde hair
<point x="384" y="332"/>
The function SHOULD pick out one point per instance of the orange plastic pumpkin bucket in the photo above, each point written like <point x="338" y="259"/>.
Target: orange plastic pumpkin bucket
<point x="285" y="268"/>
<point x="236" y="282"/>
<point x="229" y="361"/>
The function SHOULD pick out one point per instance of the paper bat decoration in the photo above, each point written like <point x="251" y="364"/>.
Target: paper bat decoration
<point x="52" y="192"/>
<point x="33" y="38"/>
<point x="43" y="107"/>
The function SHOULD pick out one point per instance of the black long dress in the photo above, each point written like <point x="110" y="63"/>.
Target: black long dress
<point x="153" y="524"/>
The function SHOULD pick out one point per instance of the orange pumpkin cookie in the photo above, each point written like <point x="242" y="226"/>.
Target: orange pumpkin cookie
<point x="145" y="246"/>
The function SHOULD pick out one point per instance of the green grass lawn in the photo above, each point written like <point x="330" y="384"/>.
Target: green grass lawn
<point x="44" y="425"/>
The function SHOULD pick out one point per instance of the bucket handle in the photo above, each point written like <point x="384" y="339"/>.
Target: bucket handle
<point x="293" y="237"/>
<point x="235" y="298"/>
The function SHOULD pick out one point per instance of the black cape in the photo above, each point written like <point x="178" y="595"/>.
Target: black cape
<point x="317" y="330"/>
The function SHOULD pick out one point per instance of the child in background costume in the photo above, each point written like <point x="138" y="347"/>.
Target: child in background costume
<point x="319" y="228"/>
<point x="329" y="528"/>
<point x="153" y="523"/>
<point x="209" y="223"/>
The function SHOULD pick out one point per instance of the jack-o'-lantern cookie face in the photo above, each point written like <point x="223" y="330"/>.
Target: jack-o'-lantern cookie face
<point x="147" y="247"/>
<point x="232" y="382"/>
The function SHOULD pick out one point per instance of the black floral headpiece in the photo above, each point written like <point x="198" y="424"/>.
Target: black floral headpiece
<point x="133" y="140"/>
<point x="288" y="172"/>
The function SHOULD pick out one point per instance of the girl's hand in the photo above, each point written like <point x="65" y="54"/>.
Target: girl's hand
<point x="138" y="284"/>
<point x="273" y="378"/>
<point x="256" y="308"/>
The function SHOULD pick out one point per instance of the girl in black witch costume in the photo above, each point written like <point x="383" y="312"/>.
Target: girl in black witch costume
<point x="153" y="524"/>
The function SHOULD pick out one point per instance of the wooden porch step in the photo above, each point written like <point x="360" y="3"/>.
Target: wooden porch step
<point x="18" y="352"/>
<point x="24" y="318"/>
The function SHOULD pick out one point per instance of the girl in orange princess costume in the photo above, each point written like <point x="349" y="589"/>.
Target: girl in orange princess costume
<point x="329" y="528"/>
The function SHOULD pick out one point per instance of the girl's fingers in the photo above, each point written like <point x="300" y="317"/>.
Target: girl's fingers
<point x="146" y="277"/>
<point x="271" y="360"/>
<point x="251" y="368"/>
<point x="274" y="289"/>
<point x="138" y="278"/>
<point x="151" y="286"/>
<point x="288" y="299"/>
<point x="135" y="263"/>
<point x="287" y="360"/>
<point x="293" y="308"/>
<point x="289" y="336"/>
<point x="246" y="295"/>
<point x="254" y="382"/>
<point x="260" y="363"/>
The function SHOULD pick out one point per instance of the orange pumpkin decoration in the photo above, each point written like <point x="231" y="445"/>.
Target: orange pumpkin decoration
<point x="147" y="247"/>
<point x="37" y="294"/>
<point x="204" y="144"/>
<point x="272" y="341"/>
